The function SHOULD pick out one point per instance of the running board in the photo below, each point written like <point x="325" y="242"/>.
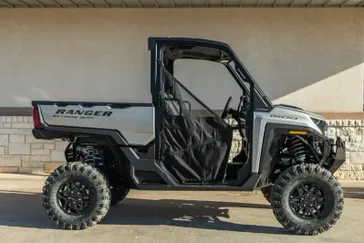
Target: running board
<point x="191" y="187"/>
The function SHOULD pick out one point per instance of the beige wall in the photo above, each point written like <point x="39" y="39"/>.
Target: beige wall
<point x="310" y="58"/>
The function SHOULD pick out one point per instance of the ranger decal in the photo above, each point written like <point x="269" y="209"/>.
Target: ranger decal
<point x="81" y="114"/>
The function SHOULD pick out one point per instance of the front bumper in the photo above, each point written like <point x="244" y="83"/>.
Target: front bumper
<point x="337" y="155"/>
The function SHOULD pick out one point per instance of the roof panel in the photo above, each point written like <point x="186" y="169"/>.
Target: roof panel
<point x="79" y="3"/>
<point x="117" y="3"/>
<point x="64" y="3"/>
<point x="12" y="3"/>
<point x="162" y="3"/>
<point x="4" y="4"/>
<point x="249" y="3"/>
<point x="300" y="3"/>
<point x="217" y="3"/>
<point x="24" y="3"/>
<point x="35" y="3"/>
<point x="200" y="3"/>
<point x="352" y="3"/>
<point x="51" y="3"/>
<point x="96" y="3"/>
<point x="330" y="3"/>
<point x="149" y="3"/>
<point x="180" y="3"/>
<point x="266" y="2"/>
<point x="283" y="3"/>
<point x="132" y="3"/>
<point x="235" y="2"/>
<point x="320" y="3"/>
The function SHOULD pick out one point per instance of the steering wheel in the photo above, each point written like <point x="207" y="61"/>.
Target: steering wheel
<point x="226" y="108"/>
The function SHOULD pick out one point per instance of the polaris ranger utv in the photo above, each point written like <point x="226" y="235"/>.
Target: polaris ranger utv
<point x="177" y="142"/>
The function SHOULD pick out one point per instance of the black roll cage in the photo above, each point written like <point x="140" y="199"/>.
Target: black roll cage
<point x="156" y="45"/>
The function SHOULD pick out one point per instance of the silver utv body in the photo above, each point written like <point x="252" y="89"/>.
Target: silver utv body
<point x="282" y="115"/>
<point x="177" y="142"/>
<point x="134" y="127"/>
<point x="136" y="123"/>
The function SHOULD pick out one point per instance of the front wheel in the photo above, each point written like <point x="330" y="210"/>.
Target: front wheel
<point x="307" y="199"/>
<point x="76" y="196"/>
<point x="267" y="191"/>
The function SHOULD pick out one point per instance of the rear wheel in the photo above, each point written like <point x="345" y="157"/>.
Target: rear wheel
<point x="307" y="199"/>
<point x="76" y="196"/>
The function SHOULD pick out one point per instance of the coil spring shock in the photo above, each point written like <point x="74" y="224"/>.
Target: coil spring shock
<point x="298" y="149"/>
<point x="92" y="155"/>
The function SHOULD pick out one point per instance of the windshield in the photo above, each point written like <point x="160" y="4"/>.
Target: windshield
<point x="210" y="81"/>
<point x="243" y="83"/>
<point x="221" y="54"/>
<point x="261" y="101"/>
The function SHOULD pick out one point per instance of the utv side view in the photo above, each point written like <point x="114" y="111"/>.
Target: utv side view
<point x="177" y="142"/>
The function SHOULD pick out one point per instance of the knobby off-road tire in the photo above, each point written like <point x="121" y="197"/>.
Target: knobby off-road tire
<point x="118" y="194"/>
<point x="291" y="187"/>
<point x="267" y="192"/>
<point x="76" y="196"/>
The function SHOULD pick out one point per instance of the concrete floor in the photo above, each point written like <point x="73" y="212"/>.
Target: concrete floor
<point x="148" y="216"/>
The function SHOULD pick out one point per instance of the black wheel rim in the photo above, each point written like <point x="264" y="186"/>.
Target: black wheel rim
<point x="307" y="200"/>
<point x="74" y="197"/>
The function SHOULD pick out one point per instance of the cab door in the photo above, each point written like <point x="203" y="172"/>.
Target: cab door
<point x="194" y="142"/>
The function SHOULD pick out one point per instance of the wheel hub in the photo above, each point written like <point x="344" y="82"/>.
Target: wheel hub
<point x="307" y="200"/>
<point x="74" y="197"/>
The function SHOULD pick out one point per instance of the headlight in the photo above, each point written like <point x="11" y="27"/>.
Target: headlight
<point x="322" y="125"/>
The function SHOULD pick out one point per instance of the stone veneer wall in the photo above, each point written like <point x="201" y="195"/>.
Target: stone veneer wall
<point x="352" y="132"/>
<point x="20" y="152"/>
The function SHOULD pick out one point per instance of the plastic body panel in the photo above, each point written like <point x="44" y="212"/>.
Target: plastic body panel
<point x="279" y="117"/>
<point x="134" y="122"/>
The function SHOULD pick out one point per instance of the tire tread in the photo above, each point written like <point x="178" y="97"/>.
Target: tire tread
<point x="101" y="187"/>
<point x="306" y="170"/>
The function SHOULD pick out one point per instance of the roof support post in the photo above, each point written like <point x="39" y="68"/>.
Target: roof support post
<point x="9" y="4"/>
